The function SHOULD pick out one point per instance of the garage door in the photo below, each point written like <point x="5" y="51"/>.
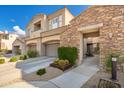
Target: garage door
<point x="51" y="50"/>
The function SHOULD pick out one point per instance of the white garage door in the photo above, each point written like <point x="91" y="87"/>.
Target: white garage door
<point x="51" y="50"/>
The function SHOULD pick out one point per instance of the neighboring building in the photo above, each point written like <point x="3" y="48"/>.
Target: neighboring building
<point x="19" y="46"/>
<point x="6" y="40"/>
<point x="43" y="32"/>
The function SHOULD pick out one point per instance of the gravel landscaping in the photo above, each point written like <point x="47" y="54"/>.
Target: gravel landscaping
<point x="93" y="82"/>
<point x="50" y="73"/>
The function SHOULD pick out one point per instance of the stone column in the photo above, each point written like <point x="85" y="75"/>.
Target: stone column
<point x="42" y="49"/>
<point x="81" y="49"/>
<point x="39" y="46"/>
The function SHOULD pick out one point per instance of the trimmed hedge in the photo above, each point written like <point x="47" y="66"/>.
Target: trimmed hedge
<point x="9" y="52"/>
<point x="32" y="53"/>
<point x="13" y="59"/>
<point x="2" y="61"/>
<point x="40" y="72"/>
<point x="69" y="53"/>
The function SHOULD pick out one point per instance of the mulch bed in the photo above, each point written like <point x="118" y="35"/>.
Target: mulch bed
<point x="61" y="68"/>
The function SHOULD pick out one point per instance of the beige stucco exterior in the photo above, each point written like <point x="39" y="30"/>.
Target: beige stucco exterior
<point x="20" y="43"/>
<point x="44" y="35"/>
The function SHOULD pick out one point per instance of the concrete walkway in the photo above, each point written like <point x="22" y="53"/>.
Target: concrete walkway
<point x="71" y="79"/>
<point x="78" y="76"/>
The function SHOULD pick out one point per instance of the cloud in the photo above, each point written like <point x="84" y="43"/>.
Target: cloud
<point x="18" y="30"/>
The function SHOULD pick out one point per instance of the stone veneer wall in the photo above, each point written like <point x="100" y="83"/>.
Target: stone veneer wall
<point x="112" y="18"/>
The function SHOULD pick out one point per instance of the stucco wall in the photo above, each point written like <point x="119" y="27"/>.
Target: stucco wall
<point x="21" y="44"/>
<point x="113" y="22"/>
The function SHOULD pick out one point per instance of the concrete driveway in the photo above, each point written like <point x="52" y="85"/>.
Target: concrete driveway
<point x="12" y="72"/>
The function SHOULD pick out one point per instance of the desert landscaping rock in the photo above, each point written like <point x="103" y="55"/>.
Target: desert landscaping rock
<point x="50" y="74"/>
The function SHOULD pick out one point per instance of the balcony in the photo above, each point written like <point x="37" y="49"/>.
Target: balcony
<point x="34" y="34"/>
<point x="52" y="32"/>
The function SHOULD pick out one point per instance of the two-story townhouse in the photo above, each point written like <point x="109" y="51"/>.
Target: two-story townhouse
<point x="43" y="31"/>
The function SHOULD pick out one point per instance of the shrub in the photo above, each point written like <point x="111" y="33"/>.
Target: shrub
<point x="23" y="57"/>
<point x="9" y="52"/>
<point x="32" y="53"/>
<point x="41" y="71"/>
<point x="69" y="53"/>
<point x="61" y="64"/>
<point x="1" y="55"/>
<point x="109" y="60"/>
<point x="121" y="59"/>
<point x="13" y="59"/>
<point x="2" y="61"/>
<point x="17" y="51"/>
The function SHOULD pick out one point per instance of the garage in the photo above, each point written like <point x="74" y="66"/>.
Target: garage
<point x="51" y="49"/>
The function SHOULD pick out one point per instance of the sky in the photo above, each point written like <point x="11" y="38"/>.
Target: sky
<point x="15" y="18"/>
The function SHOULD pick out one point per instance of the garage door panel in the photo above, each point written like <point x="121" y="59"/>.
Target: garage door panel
<point x="51" y="50"/>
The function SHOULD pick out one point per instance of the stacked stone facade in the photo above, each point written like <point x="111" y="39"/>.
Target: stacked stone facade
<point x="112" y="18"/>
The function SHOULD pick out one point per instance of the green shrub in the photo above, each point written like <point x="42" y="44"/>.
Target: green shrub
<point x="32" y="53"/>
<point x="2" y="61"/>
<point x="13" y="59"/>
<point x="121" y="59"/>
<point x="9" y="52"/>
<point x="109" y="60"/>
<point x="69" y="53"/>
<point x="41" y="71"/>
<point x="1" y="55"/>
<point x="23" y="57"/>
<point x="17" y="51"/>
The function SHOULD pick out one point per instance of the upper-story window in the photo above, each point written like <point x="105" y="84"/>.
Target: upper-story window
<point x="55" y="22"/>
<point x="37" y="26"/>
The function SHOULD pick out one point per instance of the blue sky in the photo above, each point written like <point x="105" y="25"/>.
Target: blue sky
<point x="11" y="15"/>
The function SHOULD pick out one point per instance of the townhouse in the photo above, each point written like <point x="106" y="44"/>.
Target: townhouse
<point x="97" y="30"/>
<point x="43" y="32"/>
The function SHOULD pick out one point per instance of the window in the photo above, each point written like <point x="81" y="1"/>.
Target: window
<point x="37" y="26"/>
<point x="60" y="20"/>
<point x="55" y="22"/>
<point x="6" y="36"/>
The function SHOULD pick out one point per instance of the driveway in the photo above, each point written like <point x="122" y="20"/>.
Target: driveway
<point x="12" y="72"/>
<point x="33" y="65"/>
<point x="74" y="78"/>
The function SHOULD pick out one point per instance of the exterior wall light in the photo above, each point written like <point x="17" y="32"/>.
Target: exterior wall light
<point x="110" y="35"/>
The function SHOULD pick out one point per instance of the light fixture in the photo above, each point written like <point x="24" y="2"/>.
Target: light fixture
<point x="110" y="35"/>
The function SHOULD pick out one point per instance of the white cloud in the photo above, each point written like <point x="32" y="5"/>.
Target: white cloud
<point x="18" y="30"/>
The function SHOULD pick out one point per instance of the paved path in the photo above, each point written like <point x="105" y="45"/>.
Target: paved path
<point x="71" y="79"/>
<point x="78" y="76"/>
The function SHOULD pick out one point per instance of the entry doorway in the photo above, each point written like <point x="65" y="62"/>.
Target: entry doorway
<point x="89" y="49"/>
<point x="90" y="42"/>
